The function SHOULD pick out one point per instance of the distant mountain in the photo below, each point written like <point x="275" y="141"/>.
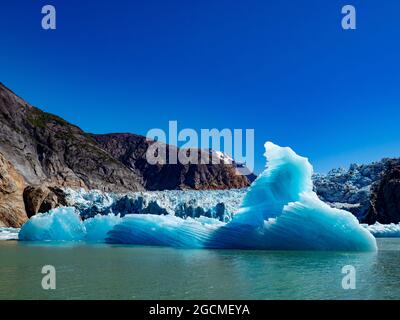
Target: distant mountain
<point x="385" y="196"/>
<point x="361" y="190"/>
<point x="47" y="151"/>
<point x="130" y="149"/>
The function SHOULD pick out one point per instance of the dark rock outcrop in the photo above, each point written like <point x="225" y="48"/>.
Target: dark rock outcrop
<point x="42" y="199"/>
<point x="385" y="197"/>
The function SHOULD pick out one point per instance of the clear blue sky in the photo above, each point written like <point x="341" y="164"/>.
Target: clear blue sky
<point x="284" y="68"/>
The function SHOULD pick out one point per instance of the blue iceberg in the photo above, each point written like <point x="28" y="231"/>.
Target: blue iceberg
<point x="280" y="211"/>
<point x="61" y="224"/>
<point x="166" y="230"/>
<point x="65" y="224"/>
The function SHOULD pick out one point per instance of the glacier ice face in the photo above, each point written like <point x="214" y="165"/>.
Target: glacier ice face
<point x="280" y="211"/>
<point x="218" y="204"/>
<point x="9" y="233"/>
<point x="384" y="230"/>
<point x="351" y="189"/>
<point x="89" y="203"/>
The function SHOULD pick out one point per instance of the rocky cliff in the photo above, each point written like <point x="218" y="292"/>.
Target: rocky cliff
<point x="12" y="184"/>
<point x="46" y="149"/>
<point x="48" y="153"/>
<point x="131" y="149"/>
<point x="367" y="190"/>
<point x="385" y="197"/>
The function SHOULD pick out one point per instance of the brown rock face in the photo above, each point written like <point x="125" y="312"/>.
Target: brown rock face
<point x="55" y="198"/>
<point x="46" y="149"/>
<point x="131" y="149"/>
<point x="12" y="210"/>
<point x="42" y="199"/>
<point x="385" y="198"/>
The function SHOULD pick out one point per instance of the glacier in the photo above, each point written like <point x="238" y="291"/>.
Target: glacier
<point x="9" y="233"/>
<point x="218" y="204"/>
<point x="379" y="230"/>
<point x="351" y="189"/>
<point x="280" y="211"/>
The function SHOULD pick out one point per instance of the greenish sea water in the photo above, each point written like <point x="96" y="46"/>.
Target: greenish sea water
<point x="87" y="271"/>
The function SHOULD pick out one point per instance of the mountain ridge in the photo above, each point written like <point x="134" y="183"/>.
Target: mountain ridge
<point x="361" y="189"/>
<point x="130" y="149"/>
<point x="48" y="151"/>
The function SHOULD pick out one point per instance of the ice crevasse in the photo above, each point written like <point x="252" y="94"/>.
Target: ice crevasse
<point x="279" y="212"/>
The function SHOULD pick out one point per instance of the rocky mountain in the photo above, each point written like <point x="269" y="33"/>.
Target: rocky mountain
<point x="356" y="189"/>
<point x="385" y="197"/>
<point x="12" y="184"/>
<point x="46" y="149"/>
<point x="43" y="199"/>
<point x="49" y="153"/>
<point x="130" y="149"/>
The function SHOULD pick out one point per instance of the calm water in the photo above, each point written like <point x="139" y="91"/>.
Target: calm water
<point x="131" y="272"/>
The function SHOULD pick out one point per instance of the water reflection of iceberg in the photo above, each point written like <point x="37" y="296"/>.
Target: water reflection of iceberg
<point x="279" y="212"/>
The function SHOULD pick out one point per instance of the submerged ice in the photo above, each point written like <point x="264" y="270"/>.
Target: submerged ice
<point x="280" y="211"/>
